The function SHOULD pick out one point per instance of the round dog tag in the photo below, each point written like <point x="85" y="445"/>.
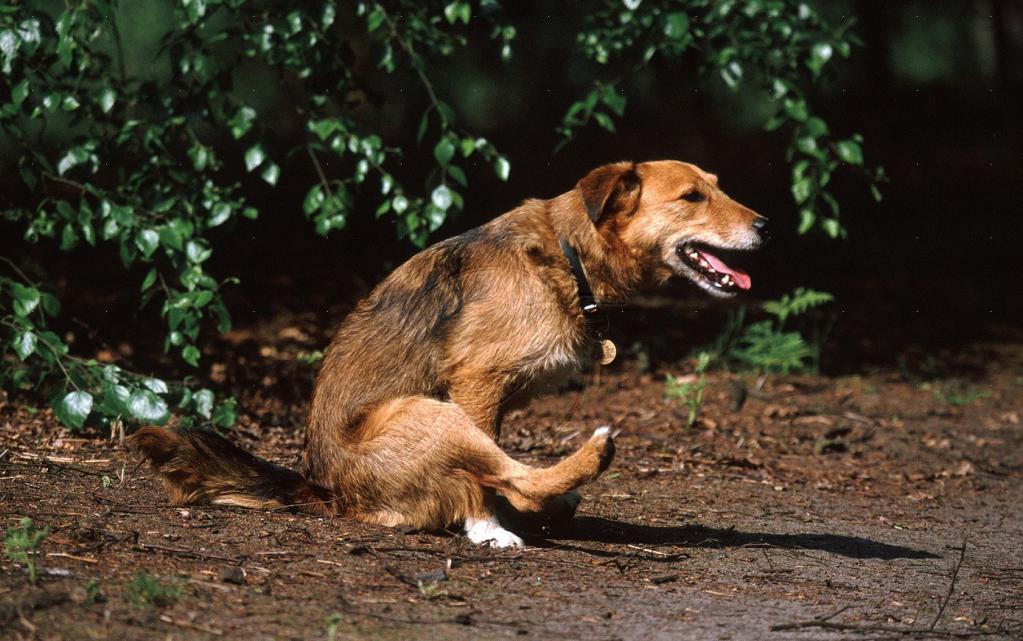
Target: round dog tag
<point x="607" y="352"/>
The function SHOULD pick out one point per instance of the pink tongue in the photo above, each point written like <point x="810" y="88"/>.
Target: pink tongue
<point x="742" y="279"/>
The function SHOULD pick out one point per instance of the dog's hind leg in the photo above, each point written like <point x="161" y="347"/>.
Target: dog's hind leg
<point x="423" y="463"/>
<point x="533" y="489"/>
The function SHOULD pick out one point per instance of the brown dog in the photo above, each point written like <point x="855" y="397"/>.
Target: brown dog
<point x="406" y="408"/>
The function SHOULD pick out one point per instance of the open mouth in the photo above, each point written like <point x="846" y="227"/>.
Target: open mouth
<point x="706" y="261"/>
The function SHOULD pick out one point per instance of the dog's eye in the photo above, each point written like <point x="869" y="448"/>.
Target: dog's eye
<point x="693" y="197"/>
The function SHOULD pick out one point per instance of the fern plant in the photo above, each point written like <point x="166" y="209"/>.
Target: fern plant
<point x="771" y="345"/>
<point x="22" y="545"/>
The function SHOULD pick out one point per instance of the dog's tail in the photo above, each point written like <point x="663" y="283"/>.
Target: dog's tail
<point x="200" y="467"/>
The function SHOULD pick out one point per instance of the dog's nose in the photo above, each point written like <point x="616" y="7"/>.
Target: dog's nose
<point x="760" y="223"/>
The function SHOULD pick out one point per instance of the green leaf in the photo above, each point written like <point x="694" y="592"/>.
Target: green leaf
<point x="400" y="204"/>
<point x="441" y="197"/>
<point x="219" y="214"/>
<point x="19" y="92"/>
<point x="676" y="25"/>
<point x="434" y="217"/>
<point x="424" y="123"/>
<point x="198" y="251"/>
<point x="802" y="189"/>
<point x="816" y="127"/>
<point x="806" y="220"/>
<point x="458" y="10"/>
<point x="203" y="403"/>
<point x="226" y="413"/>
<point x="457" y="175"/>
<point x="447" y="114"/>
<point x="604" y="121"/>
<point x="88" y="233"/>
<point x="190" y="354"/>
<point x="271" y="173"/>
<point x="819" y="56"/>
<point x="68" y="237"/>
<point x="50" y="304"/>
<point x="194" y="9"/>
<point x="502" y="168"/>
<point x="147" y="240"/>
<point x="444" y="151"/>
<point x="806" y="144"/>
<point x="171" y="236"/>
<point x="115" y="399"/>
<point x="156" y="385"/>
<point x="70" y="103"/>
<point x="796" y="109"/>
<point x="615" y="101"/>
<point x="25" y="344"/>
<point x="74" y="157"/>
<point x="149" y="280"/>
<point x="732" y="74"/>
<point x="25" y="299"/>
<point x="254" y="157"/>
<point x="850" y="152"/>
<point x="200" y="156"/>
<point x="107" y="98"/>
<point x="147" y="407"/>
<point x="832" y="227"/>
<point x="324" y="128"/>
<point x="313" y="200"/>
<point x="241" y="122"/>
<point x="74" y="408"/>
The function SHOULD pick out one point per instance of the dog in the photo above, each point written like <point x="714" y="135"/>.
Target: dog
<point x="406" y="409"/>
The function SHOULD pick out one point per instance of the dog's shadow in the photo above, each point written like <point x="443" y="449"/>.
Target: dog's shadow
<point x="601" y="530"/>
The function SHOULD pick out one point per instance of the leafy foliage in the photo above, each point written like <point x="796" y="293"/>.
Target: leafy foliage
<point x="768" y="345"/>
<point x="779" y="47"/>
<point x="36" y="358"/>
<point x="22" y="543"/>
<point x="143" y="160"/>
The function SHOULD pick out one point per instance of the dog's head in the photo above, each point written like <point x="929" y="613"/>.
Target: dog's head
<point x="673" y="218"/>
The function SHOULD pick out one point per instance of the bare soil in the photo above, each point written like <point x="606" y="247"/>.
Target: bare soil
<point x="886" y="504"/>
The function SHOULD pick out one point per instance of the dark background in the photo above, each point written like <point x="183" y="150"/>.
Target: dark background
<point x="935" y="90"/>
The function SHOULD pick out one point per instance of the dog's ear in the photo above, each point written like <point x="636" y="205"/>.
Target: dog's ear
<point x="611" y="189"/>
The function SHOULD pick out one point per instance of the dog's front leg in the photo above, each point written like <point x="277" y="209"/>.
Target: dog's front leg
<point x="480" y="398"/>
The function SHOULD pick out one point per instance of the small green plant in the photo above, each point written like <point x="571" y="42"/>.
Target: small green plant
<point x="146" y="589"/>
<point x="957" y="393"/>
<point x="771" y="345"/>
<point x="93" y="593"/>
<point x="310" y="358"/>
<point x="22" y="545"/>
<point x="690" y="389"/>
<point x="332" y="622"/>
<point x="430" y="590"/>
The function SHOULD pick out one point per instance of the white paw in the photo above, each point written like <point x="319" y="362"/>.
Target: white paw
<point x="602" y="431"/>
<point x="490" y="532"/>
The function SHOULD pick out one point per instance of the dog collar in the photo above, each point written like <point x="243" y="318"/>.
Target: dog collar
<point x="587" y="300"/>
<point x="596" y="320"/>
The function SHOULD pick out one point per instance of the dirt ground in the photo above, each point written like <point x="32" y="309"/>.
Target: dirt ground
<point x="886" y="504"/>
